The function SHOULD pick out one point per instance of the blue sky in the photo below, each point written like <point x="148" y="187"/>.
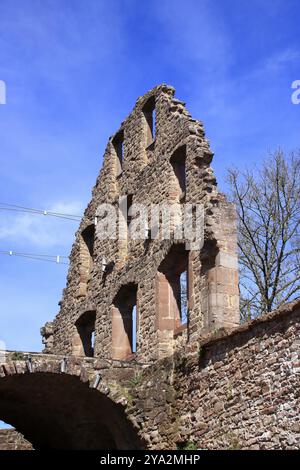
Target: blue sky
<point x="73" y="71"/>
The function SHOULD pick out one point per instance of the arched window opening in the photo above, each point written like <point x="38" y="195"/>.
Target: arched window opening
<point x="134" y="329"/>
<point x="129" y="205"/>
<point x="124" y="323"/>
<point x="88" y="236"/>
<point x="86" y="257"/>
<point x="93" y="340"/>
<point x="84" y="343"/>
<point x="150" y="118"/>
<point x="124" y="221"/>
<point x="183" y="279"/>
<point x="178" y="162"/>
<point x="118" y="143"/>
<point x="172" y="289"/>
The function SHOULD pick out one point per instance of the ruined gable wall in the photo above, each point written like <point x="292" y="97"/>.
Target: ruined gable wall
<point x="149" y="177"/>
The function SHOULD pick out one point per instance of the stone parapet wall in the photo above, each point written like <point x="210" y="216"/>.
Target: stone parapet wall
<point x="235" y="391"/>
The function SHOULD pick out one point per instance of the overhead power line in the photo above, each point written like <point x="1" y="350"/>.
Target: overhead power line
<point x="50" y="258"/>
<point x="15" y="208"/>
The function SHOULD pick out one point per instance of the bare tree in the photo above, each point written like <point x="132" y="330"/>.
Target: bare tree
<point x="268" y="210"/>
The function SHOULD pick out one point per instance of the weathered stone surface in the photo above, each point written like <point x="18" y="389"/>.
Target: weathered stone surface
<point x="228" y="395"/>
<point x="10" y="439"/>
<point x="245" y="396"/>
<point x="210" y="382"/>
<point x="170" y="166"/>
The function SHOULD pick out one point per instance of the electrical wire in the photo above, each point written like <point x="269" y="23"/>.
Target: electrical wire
<point x="16" y="208"/>
<point x="40" y="257"/>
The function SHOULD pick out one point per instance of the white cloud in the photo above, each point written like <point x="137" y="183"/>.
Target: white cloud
<point x="276" y="62"/>
<point x="39" y="231"/>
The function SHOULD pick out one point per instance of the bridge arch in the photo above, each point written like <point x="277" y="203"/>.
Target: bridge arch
<point x="55" y="410"/>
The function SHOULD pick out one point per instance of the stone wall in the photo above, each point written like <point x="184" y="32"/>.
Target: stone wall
<point x="10" y="439"/>
<point x="170" y="166"/>
<point x="206" y="381"/>
<point x="237" y="391"/>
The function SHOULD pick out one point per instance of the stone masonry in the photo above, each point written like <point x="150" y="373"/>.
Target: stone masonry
<point x="158" y="156"/>
<point x="146" y="351"/>
<point x="12" y="440"/>
<point x="237" y="390"/>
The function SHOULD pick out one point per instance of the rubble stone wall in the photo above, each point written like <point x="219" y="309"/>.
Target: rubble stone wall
<point x="238" y="391"/>
<point x="148" y="176"/>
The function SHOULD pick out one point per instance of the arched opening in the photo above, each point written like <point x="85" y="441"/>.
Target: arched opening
<point x="178" y="162"/>
<point x="86" y="253"/>
<point x="129" y="205"/>
<point x="83" y="343"/>
<point x="183" y="281"/>
<point x="124" y="322"/>
<point x="118" y="143"/>
<point x="172" y="298"/>
<point x="88" y="235"/>
<point x="172" y="289"/>
<point x="149" y="113"/>
<point x="58" y="411"/>
<point x="125" y="219"/>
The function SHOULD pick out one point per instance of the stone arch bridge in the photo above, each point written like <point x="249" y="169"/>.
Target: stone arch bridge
<point x="63" y="402"/>
<point x="237" y="389"/>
